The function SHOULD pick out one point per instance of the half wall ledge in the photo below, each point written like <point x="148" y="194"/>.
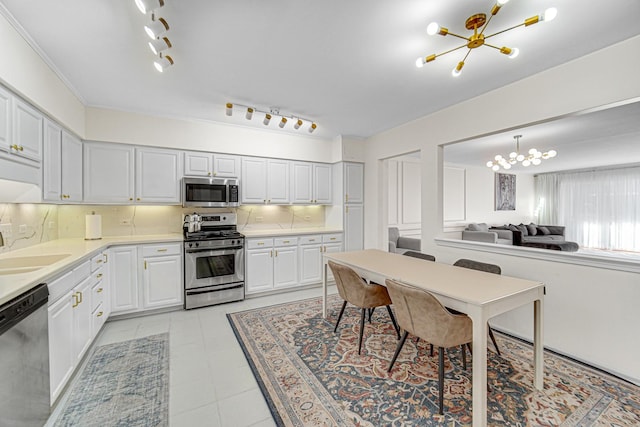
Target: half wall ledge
<point x="610" y="262"/>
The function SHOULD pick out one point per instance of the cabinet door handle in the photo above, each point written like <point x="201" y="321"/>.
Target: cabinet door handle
<point x="99" y="261"/>
<point x="130" y="198"/>
<point x="100" y="314"/>
<point x="346" y="197"/>
<point x="260" y="243"/>
<point x="99" y="290"/>
<point x="162" y="250"/>
<point x="105" y="258"/>
<point x="333" y="238"/>
<point x="79" y="297"/>
<point x="276" y="253"/>
<point x="271" y="254"/>
<point x="75" y="300"/>
<point x="145" y="265"/>
<point x="285" y="241"/>
<point x="209" y="173"/>
<point x="99" y="275"/>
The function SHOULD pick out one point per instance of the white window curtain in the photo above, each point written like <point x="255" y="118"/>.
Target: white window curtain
<point x="600" y="208"/>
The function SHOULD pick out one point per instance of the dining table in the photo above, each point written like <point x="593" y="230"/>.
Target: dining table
<point x="478" y="294"/>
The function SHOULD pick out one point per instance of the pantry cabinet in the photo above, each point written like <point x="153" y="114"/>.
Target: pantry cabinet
<point x="5" y="120"/>
<point x="198" y="163"/>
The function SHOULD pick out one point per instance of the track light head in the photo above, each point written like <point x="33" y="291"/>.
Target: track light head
<point x="312" y="127"/>
<point x="159" y="45"/>
<point x="228" y="109"/>
<point x="267" y="119"/>
<point x="297" y="125"/>
<point x="155" y="28"/>
<point x="249" y="114"/>
<point x="145" y="6"/>
<point x="282" y="123"/>
<point x="163" y="62"/>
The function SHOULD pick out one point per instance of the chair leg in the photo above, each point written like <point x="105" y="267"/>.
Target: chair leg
<point x="431" y="350"/>
<point x="464" y="357"/>
<point x="470" y="349"/>
<point x="393" y="320"/>
<point x="344" y="305"/>
<point x="441" y="380"/>
<point x="361" y="330"/>
<point x="371" y="313"/>
<point x="493" y="339"/>
<point x="398" y="348"/>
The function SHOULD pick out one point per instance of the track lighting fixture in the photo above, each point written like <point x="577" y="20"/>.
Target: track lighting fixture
<point x="146" y="5"/>
<point x="273" y="112"/>
<point x="155" y="28"/>
<point x="163" y="62"/>
<point x="159" y="45"/>
<point x="478" y="23"/>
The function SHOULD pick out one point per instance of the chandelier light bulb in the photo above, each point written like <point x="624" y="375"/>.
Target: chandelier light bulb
<point x="433" y="28"/>
<point x="502" y="2"/>
<point x="537" y="155"/>
<point x="514" y="53"/>
<point x="550" y="14"/>
<point x="507" y="166"/>
<point x="526" y="163"/>
<point x="520" y="157"/>
<point x="498" y="157"/>
<point x="495" y="168"/>
<point x="489" y="164"/>
<point x="513" y="155"/>
<point x="536" y="161"/>
<point x="420" y="62"/>
<point x="552" y="153"/>
<point x="532" y="151"/>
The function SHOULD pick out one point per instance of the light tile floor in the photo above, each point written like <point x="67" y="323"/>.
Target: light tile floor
<point x="211" y="383"/>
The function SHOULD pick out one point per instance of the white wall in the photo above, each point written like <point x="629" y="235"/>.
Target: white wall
<point x="589" y="313"/>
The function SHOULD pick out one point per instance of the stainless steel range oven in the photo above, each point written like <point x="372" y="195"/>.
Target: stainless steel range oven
<point x="213" y="262"/>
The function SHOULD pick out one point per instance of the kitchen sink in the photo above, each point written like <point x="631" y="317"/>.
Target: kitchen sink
<point x="26" y="264"/>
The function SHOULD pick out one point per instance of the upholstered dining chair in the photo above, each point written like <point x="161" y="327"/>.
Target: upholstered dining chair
<point x="420" y="255"/>
<point x="421" y="314"/>
<point x="481" y="266"/>
<point x="353" y="289"/>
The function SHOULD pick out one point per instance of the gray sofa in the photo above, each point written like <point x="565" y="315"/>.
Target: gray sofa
<point x="483" y="233"/>
<point x="399" y="244"/>
<point x="537" y="233"/>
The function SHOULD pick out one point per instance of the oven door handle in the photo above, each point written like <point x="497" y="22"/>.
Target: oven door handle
<point x="226" y="248"/>
<point x="192" y="292"/>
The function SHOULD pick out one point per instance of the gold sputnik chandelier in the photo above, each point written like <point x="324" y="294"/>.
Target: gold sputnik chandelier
<point x="478" y="23"/>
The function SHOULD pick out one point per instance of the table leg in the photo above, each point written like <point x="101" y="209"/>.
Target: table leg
<point x="538" y="344"/>
<point x="479" y="385"/>
<point x="324" y="289"/>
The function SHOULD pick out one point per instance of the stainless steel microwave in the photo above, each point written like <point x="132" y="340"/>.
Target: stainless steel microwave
<point x="210" y="192"/>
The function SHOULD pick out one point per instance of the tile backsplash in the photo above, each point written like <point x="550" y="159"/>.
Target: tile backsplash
<point x="24" y="225"/>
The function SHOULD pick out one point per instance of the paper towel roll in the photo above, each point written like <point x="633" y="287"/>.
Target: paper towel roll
<point x="93" y="227"/>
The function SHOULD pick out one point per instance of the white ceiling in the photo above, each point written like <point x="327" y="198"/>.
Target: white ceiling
<point x="349" y="65"/>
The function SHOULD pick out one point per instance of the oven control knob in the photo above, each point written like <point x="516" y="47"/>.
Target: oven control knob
<point x="197" y="244"/>
<point x="190" y="244"/>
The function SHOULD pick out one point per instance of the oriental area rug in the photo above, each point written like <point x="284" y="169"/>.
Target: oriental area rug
<point x="123" y="384"/>
<point x="311" y="376"/>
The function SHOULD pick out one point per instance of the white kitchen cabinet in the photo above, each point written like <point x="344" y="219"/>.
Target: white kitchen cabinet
<point x="265" y="181"/>
<point x="310" y="183"/>
<point x="62" y="165"/>
<point x="259" y="265"/>
<point x="162" y="275"/>
<point x="353" y="182"/>
<point x="109" y="173"/>
<point x="310" y="259"/>
<point x="158" y="173"/>
<point x="353" y="227"/>
<point x="123" y="277"/>
<point x="100" y="292"/>
<point x="82" y="323"/>
<point x="211" y="164"/>
<point x="61" y="358"/>
<point x="285" y="262"/>
<point x="27" y="131"/>
<point x="6" y="134"/>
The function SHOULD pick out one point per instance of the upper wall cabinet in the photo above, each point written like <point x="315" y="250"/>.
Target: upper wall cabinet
<point x="158" y="175"/>
<point x="108" y="173"/>
<point x="62" y="154"/>
<point x="310" y="183"/>
<point x="5" y="119"/>
<point x="208" y="164"/>
<point x="27" y="131"/>
<point x="354" y="183"/>
<point x="264" y="181"/>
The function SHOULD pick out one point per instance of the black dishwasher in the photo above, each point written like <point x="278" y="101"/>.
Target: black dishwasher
<point x="24" y="360"/>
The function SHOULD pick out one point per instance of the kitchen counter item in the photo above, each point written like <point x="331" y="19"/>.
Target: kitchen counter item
<point x="24" y="352"/>
<point x="93" y="227"/>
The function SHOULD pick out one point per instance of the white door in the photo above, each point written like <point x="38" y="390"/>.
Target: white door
<point x="198" y="164"/>
<point x="27" y="130"/>
<point x="5" y="120"/>
<point x="52" y="165"/>
<point x="353" y="228"/>
<point x="254" y="180"/>
<point x="226" y="165"/>
<point x="82" y="319"/>
<point x="354" y="182"/>
<point x="322" y="184"/>
<point x="259" y="274"/>
<point x="71" y="170"/>
<point x="108" y="172"/>
<point x="278" y="181"/>
<point x="161" y="281"/>
<point x="310" y="264"/>
<point x="61" y="359"/>
<point x="301" y="182"/>
<point x="285" y="266"/>
<point x="123" y="278"/>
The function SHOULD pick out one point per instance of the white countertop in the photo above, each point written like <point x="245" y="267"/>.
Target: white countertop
<point x="288" y="231"/>
<point x="12" y="285"/>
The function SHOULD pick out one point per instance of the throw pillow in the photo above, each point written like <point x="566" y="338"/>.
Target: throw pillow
<point x="478" y="227"/>
<point x="523" y="229"/>
<point x="513" y="227"/>
<point x="532" y="229"/>
<point x="544" y="231"/>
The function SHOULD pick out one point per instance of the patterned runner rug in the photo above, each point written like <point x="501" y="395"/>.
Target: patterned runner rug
<point x="123" y="384"/>
<point x="311" y="376"/>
